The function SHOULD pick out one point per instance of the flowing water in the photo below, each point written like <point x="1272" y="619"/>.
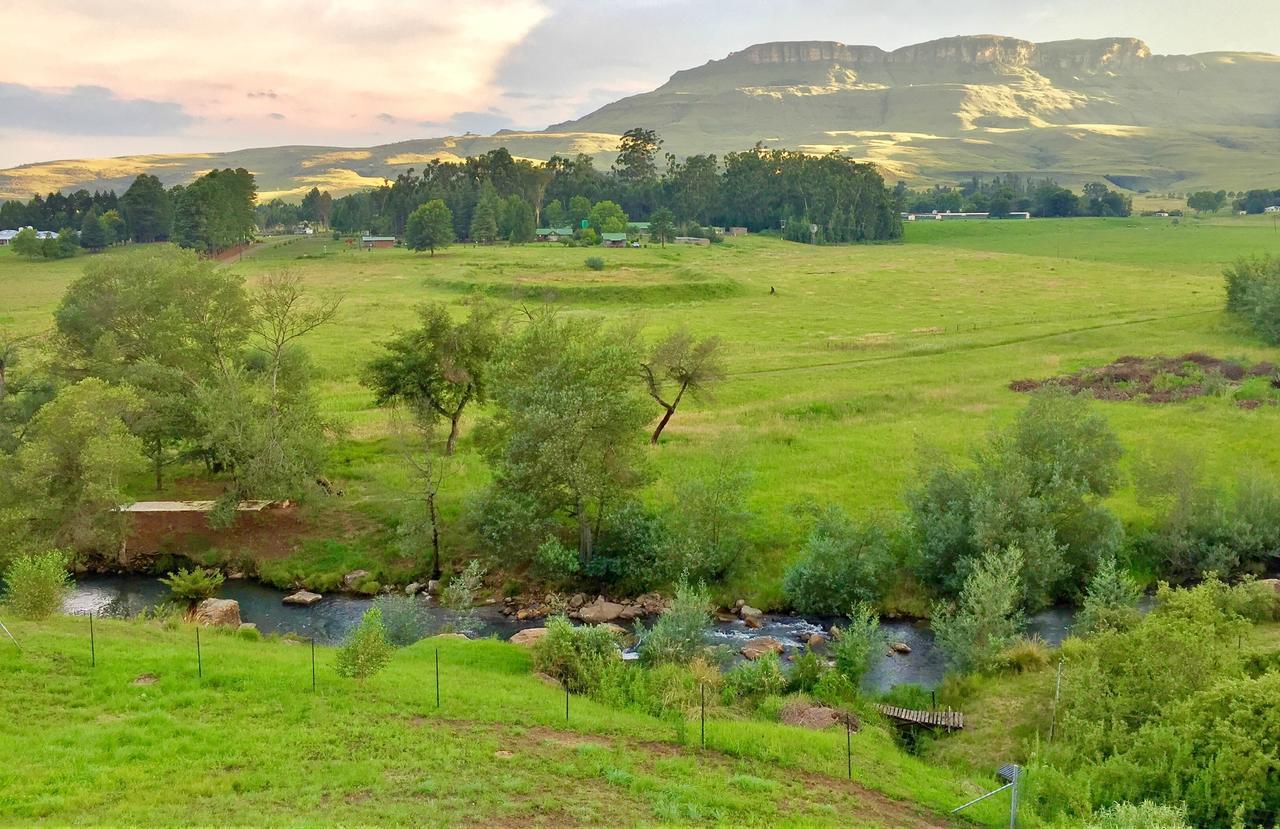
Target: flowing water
<point x="330" y="620"/>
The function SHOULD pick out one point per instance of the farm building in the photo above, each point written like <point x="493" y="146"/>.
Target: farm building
<point x="370" y="242"/>
<point x="614" y="240"/>
<point x="6" y="236"/>
<point x="638" y="228"/>
<point x="735" y="231"/>
<point x="553" y="234"/>
<point x="1275" y="208"/>
<point x="691" y="240"/>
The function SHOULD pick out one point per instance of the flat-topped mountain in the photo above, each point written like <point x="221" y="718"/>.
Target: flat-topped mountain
<point x="1076" y="110"/>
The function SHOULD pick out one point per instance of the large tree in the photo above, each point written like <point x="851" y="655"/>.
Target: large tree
<point x="680" y="363"/>
<point x="440" y="366"/>
<point x="147" y="210"/>
<point x="568" y="431"/>
<point x="637" y="155"/>
<point x="429" y="227"/>
<point x="68" y="476"/>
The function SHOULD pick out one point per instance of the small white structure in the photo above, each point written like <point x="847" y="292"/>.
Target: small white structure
<point x="6" y="236"/>
<point x="940" y="217"/>
<point x="1275" y="208"/>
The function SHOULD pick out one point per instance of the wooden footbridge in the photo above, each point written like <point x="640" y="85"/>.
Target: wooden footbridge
<point x="947" y="720"/>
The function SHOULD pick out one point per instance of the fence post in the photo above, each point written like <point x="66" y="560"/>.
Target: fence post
<point x="566" y="702"/>
<point x="704" y="715"/>
<point x="93" y="646"/>
<point x="199" y="658"/>
<point x="313" y="664"/>
<point x="848" y="744"/>
<point x="1057" y="690"/>
<point x="437" y="677"/>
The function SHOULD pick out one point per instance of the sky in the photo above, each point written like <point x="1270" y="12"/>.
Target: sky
<point x="89" y="79"/>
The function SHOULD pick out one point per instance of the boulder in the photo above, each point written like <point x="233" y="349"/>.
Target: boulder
<point x="577" y="600"/>
<point x="617" y="630"/>
<point x="651" y="603"/>
<point x="631" y="612"/>
<point x="303" y="597"/>
<point x="235" y="574"/>
<point x="528" y="636"/>
<point x="535" y="612"/>
<point x="225" y="612"/>
<point x="353" y="579"/>
<point x="1274" y="584"/>
<point x="900" y="647"/>
<point x="754" y="618"/>
<point x="600" y="611"/>
<point x="758" y="647"/>
<point x="433" y="586"/>
<point x="815" y="640"/>
<point x="725" y="617"/>
<point x="413" y="588"/>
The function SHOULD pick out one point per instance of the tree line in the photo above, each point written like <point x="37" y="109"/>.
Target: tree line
<point x="495" y="196"/>
<point x="212" y="213"/>
<point x="1003" y="195"/>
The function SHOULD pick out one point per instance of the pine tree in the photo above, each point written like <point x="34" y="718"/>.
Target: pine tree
<point x="484" y="221"/>
<point x="93" y="236"/>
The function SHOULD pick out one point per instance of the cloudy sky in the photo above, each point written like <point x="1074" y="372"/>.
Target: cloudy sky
<point x="87" y="78"/>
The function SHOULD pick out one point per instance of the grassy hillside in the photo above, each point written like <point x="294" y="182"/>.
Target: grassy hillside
<point x="142" y="740"/>
<point x="861" y="355"/>
<point x="1077" y="111"/>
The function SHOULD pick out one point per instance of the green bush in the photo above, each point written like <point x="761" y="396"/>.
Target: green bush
<point x="986" y="620"/>
<point x="680" y="634"/>
<point x="402" y="618"/>
<point x="1253" y="293"/>
<point x="554" y="561"/>
<point x="576" y="657"/>
<point x="366" y="650"/>
<point x="709" y="519"/>
<point x="1145" y="815"/>
<point x="37" y="584"/>
<point x="1110" y="602"/>
<point x="753" y="681"/>
<point x="835" y="689"/>
<point x="1025" y="656"/>
<point x="806" y="672"/>
<point x="858" y="644"/>
<point x="628" y="551"/>
<point x="595" y="263"/>
<point x="662" y="691"/>
<point x="196" y="583"/>
<point x="843" y="563"/>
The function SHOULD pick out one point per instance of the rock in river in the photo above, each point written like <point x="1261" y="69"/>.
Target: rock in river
<point x="600" y="611"/>
<point x="303" y="597"/>
<point x="758" y="647"/>
<point x="528" y="636"/>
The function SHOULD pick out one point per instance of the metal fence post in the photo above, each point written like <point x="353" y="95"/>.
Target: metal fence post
<point x="313" y="664"/>
<point x="199" y="658"/>
<point x="437" y="677"/>
<point x="93" y="646"/>
<point x="848" y="744"/>
<point x="704" y="715"/>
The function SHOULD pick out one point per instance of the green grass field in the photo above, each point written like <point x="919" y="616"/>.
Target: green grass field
<point x="250" y="743"/>
<point x="861" y="355"/>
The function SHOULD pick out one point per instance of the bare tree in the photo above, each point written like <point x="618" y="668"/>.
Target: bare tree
<point x="678" y="363"/>
<point x="282" y="313"/>
<point x="419" y="444"/>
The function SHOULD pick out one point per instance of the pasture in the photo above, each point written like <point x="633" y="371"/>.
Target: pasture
<point x="843" y="361"/>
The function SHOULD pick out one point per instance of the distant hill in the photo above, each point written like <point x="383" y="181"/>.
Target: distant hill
<point x="1076" y="110"/>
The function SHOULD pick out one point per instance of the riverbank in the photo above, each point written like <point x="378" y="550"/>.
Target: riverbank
<point x="144" y="739"/>
<point x="329" y="621"/>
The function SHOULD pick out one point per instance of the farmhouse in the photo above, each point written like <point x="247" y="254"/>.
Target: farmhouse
<point x="1275" y="208"/>
<point x="553" y="234"/>
<point x="6" y="236"/>
<point x="370" y="242"/>
<point x="614" y="240"/>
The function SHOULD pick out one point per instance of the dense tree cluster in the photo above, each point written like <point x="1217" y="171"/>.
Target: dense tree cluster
<point x="212" y="213"/>
<point x="495" y="197"/>
<point x="1003" y="195"/>
<point x="1256" y="201"/>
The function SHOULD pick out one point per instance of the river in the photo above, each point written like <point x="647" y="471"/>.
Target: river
<point x="330" y="620"/>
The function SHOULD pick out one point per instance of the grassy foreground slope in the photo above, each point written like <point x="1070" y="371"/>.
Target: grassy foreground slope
<point x="250" y="744"/>
<point x="861" y="354"/>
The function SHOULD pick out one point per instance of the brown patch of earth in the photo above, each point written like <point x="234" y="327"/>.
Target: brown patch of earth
<point x="1161" y="379"/>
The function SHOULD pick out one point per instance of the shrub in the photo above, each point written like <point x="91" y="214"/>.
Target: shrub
<point x="709" y="521"/>
<point x="835" y="689"/>
<point x="595" y="263"/>
<point x="753" y="681"/>
<point x="986" y="619"/>
<point x="1025" y="656"/>
<point x="1110" y="602"/>
<point x="366" y="650"/>
<point x="680" y="634"/>
<point x="664" y="690"/>
<point x="194" y="584"/>
<point x="576" y="657"/>
<point x="628" y="550"/>
<point x="460" y="593"/>
<point x="806" y="673"/>
<point x="1145" y="815"/>
<point x="37" y="584"/>
<point x="554" y="561"/>
<point x="1252" y="600"/>
<point x="1253" y="293"/>
<point x="843" y="563"/>
<point x="402" y="618"/>
<point x="858" y="643"/>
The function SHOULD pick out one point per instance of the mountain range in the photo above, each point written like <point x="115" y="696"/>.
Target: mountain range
<point x="1074" y="110"/>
